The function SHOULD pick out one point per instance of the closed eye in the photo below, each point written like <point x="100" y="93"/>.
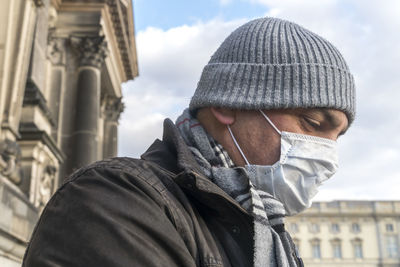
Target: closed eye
<point x="313" y="123"/>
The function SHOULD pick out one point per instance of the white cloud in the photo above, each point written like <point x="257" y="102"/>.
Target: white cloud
<point x="170" y="64"/>
<point x="366" y="32"/>
<point x="225" y="2"/>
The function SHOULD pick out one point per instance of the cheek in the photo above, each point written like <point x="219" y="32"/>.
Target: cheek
<point x="266" y="149"/>
<point x="274" y="152"/>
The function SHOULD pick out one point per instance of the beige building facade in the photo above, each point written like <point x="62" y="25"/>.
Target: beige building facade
<point x="62" y="63"/>
<point x="348" y="233"/>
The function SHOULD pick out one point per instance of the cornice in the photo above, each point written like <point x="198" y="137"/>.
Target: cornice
<point x="29" y="132"/>
<point x="83" y="1"/>
<point x="33" y="97"/>
<point x="122" y="37"/>
<point x="353" y="208"/>
<point x="123" y="31"/>
<point x="131" y="29"/>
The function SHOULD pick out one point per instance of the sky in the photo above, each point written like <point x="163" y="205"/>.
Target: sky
<point x="175" y="39"/>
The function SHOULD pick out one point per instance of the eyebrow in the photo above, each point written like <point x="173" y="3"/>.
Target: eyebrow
<point x="333" y="120"/>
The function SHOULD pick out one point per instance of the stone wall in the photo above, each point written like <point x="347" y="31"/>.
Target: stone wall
<point x="62" y="63"/>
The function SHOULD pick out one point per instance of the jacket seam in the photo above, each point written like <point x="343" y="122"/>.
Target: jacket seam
<point x="176" y="219"/>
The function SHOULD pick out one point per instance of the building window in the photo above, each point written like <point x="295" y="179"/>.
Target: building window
<point x="337" y="251"/>
<point x="294" y="228"/>
<point x="335" y="228"/>
<point x="316" y="248"/>
<point x="389" y="227"/>
<point x="357" y="248"/>
<point x="358" y="254"/>
<point x="355" y="227"/>
<point x="314" y="228"/>
<point x="392" y="246"/>
<point x="316" y="251"/>
<point x="337" y="248"/>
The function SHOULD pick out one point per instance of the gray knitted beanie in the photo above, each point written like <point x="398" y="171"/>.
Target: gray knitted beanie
<point x="270" y="63"/>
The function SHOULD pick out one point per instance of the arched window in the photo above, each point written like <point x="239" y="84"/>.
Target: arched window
<point x="336" y="248"/>
<point x="357" y="248"/>
<point x="316" y="248"/>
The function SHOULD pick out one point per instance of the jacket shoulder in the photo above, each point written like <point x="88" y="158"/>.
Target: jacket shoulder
<point x="136" y="168"/>
<point x="110" y="213"/>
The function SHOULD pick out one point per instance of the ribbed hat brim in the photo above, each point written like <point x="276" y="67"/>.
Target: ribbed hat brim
<point x="272" y="86"/>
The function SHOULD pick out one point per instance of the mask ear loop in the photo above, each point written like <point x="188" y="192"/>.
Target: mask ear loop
<point x="270" y="122"/>
<point x="237" y="145"/>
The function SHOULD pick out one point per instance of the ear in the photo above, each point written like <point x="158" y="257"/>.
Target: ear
<point x="225" y="116"/>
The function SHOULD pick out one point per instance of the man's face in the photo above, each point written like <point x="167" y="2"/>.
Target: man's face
<point x="261" y="143"/>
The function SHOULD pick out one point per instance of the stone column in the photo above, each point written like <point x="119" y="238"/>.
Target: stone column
<point x="56" y="55"/>
<point x="92" y="52"/>
<point x="113" y="109"/>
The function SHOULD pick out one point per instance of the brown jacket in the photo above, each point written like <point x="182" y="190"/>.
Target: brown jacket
<point x="157" y="211"/>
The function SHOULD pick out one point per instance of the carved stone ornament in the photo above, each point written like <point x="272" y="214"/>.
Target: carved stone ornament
<point x="53" y="16"/>
<point x="91" y="50"/>
<point x="9" y="158"/>
<point x="39" y="3"/>
<point x="113" y="107"/>
<point x="46" y="185"/>
<point x="56" y="50"/>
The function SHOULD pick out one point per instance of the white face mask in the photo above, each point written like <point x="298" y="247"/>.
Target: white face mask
<point x="305" y="162"/>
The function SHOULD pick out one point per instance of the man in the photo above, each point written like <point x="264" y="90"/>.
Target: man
<point x="258" y="139"/>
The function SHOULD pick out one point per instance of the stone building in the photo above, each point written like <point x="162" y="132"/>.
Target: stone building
<point x="62" y="63"/>
<point x="348" y="233"/>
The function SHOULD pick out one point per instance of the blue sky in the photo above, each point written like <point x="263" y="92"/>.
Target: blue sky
<point x="168" y="14"/>
<point x="175" y="39"/>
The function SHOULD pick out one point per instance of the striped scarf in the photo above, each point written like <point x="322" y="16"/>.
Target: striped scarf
<point x="272" y="244"/>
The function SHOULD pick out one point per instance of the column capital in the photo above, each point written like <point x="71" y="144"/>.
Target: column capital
<point x="56" y="50"/>
<point x="113" y="107"/>
<point x="91" y="50"/>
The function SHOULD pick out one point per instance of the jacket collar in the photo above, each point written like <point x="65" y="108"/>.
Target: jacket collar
<point x="173" y="154"/>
